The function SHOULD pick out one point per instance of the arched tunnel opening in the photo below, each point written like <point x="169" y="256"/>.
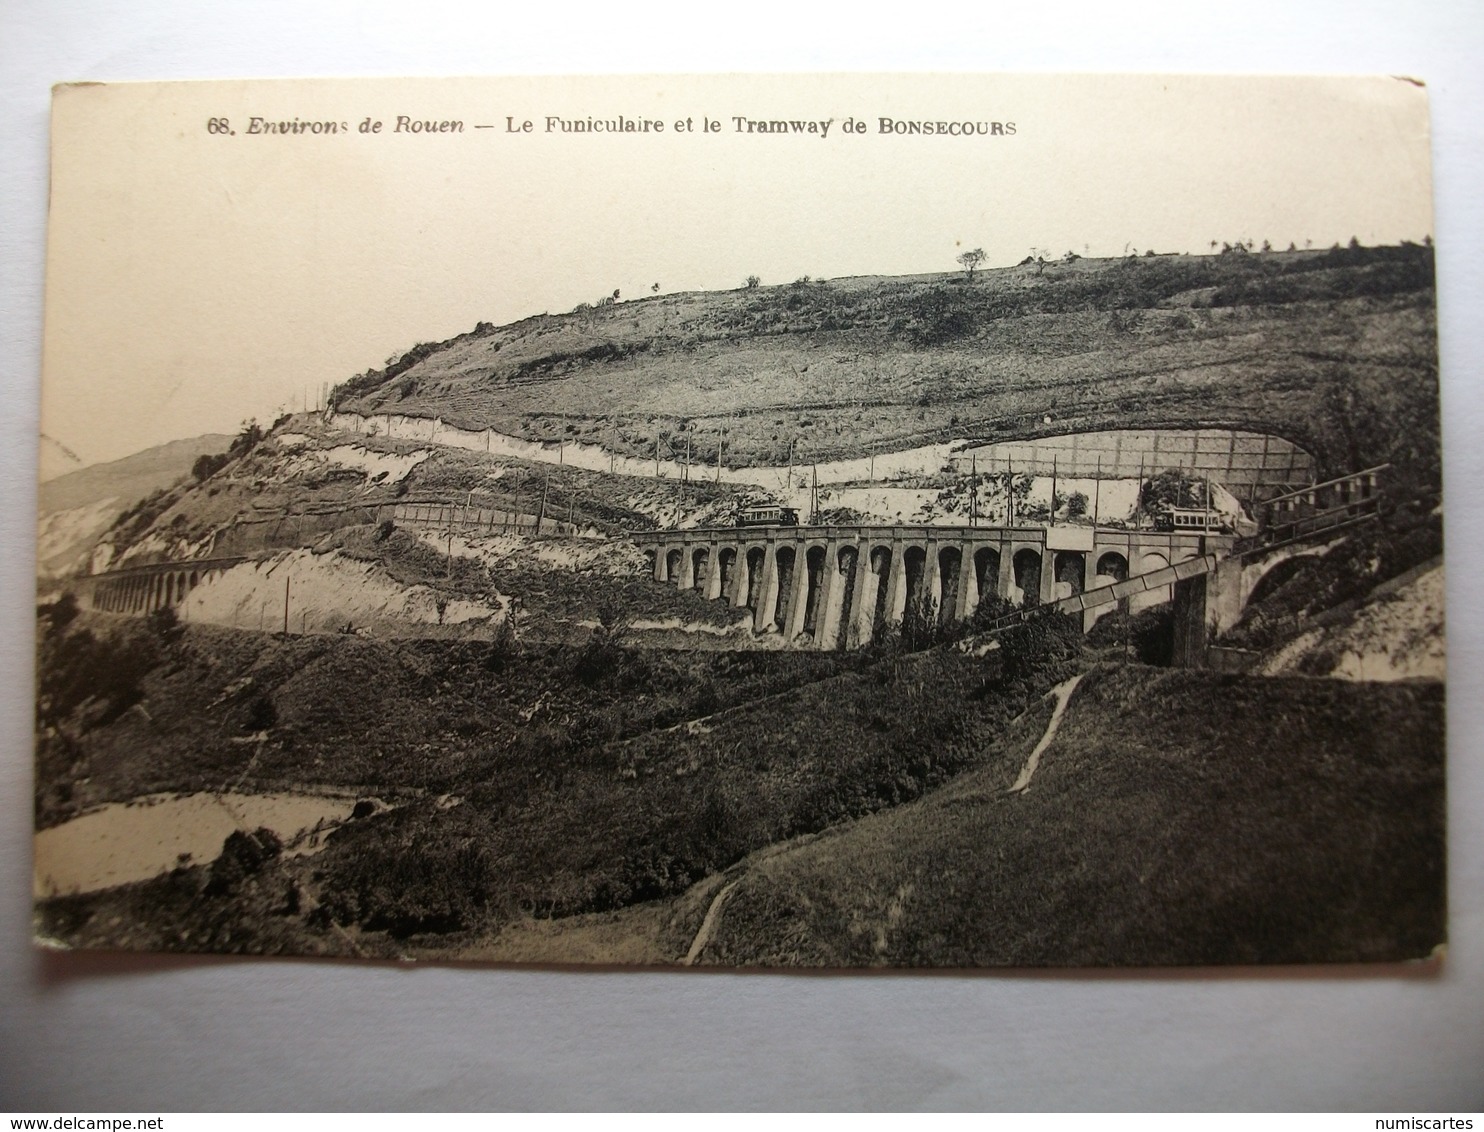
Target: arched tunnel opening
<point x="1113" y="566"/>
<point x="1027" y="566"/>
<point x="881" y="568"/>
<point x="846" y="561"/>
<point x="814" y="587"/>
<point x="700" y="560"/>
<point x="784" y="559"/>
<point x="755" y="558"/>
<point x="726" y="562"/>
<point x="1070" y="570"/>
<point x="986" y="572"/>
<point x="950" y="563"/>
<point x="914" y="566"/>
<point x="672" y="566"/>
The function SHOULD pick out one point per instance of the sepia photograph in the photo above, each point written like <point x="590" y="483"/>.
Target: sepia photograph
<point x="853" y="521"/>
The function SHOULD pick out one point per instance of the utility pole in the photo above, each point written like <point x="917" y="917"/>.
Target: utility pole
<point x="814" y="497"/>
<point x="1052" y="523"/>
<point x="973" y="489"/>
<point x="1009" y="491"/>
<point x="1097" y="489"/>
<point x="687" y="455"/>
<point x="721" y="443"/>
<point x="286" y="579"/>
<point x="1208" y="506"/>
<point x="541" y="511"/>
<point x="1139" y="497"/>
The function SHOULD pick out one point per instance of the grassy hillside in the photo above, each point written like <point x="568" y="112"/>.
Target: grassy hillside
<point x="1334" y="350"/>
<point x="128" y="479"/>
<point x="1178" y="817"/>
<point x="845" y="809"/>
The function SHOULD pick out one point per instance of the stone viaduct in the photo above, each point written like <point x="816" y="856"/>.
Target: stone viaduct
<point x="140" y="590"/>
<point x="838" y="586"/>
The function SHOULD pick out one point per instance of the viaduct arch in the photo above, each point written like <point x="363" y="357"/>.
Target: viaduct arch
<point x="831" y="587"/>
<point x="140" y="590"/>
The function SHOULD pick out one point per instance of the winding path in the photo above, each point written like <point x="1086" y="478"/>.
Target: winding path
<point x="1063" y="693"/>
<point x="708" y="925"/>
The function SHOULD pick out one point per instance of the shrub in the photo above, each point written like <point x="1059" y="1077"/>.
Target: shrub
<point x="243" y="855"/>
<point x="78" y="668"/>
<point x="165" y="625"/>
<point x="601" y="659"/>
<point x="921" y="628"/>
<point x="207" y="465"/>
<point x="1042" y="642"/>
<point x="971" y="261"/>
<point x="1172" y="488"/>
<point x="60" y="613"/>
<point x="442" y="886"/>
<point x="261" y="715"/>
<point x="246" y="440"/>
<point x="503" y="646"/>
<point x="1152" y="634"/>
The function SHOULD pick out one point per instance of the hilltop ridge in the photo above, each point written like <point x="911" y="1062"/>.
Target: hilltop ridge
<point x="1334" y="350"/>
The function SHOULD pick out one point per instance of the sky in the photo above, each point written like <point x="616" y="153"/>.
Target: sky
<point x="199" y="277"/>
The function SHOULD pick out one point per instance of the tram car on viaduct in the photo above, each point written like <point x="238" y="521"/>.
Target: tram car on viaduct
<point x="1191" y="519"/>
<point x="768" y="516"/>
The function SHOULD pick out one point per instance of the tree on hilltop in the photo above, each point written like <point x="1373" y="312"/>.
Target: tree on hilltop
<point x="971" y="261"/>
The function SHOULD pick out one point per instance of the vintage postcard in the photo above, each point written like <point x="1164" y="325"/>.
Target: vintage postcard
<point x="839" y="521"/>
